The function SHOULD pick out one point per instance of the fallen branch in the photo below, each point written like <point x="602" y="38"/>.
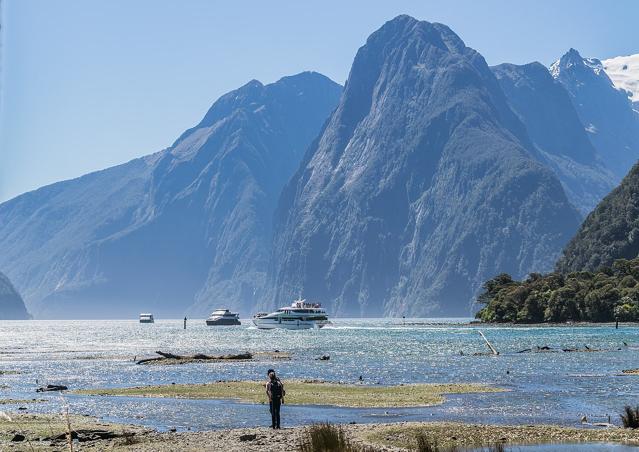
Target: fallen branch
<point x="181" y="359"/>
<point x="490" y="346"/>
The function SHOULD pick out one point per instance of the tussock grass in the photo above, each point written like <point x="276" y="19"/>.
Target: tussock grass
<point x="630" y="417"/>
<point x="329" y="438"/>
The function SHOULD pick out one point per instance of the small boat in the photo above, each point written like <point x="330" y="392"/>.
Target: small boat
<point x="146" y="318"/>
<point x="224" y="317"/>
<point x="300" y="315"/>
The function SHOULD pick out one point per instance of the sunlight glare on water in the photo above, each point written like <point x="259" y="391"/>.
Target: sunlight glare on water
<point x="542" y="387"/>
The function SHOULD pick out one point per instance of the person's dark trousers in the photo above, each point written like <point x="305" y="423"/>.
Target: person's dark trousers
<point x="275" y="412"/>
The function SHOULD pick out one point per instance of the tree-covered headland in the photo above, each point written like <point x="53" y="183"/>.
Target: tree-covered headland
<point x="606" y="295"/>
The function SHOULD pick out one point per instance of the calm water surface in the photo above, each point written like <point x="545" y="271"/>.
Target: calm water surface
<point x="542" y="387"/>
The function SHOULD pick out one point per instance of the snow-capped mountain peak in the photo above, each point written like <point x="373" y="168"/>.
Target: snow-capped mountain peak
<point x="573" y="58"/>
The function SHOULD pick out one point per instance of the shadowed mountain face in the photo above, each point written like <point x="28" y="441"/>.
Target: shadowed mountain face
<point x="545" y="108"/>
<point x="605" y="112"/>
<point x="11" y="304"/>
<point x="182" y="231"/>
<point x="422" y="185"/>
<point x="610" y="232"/>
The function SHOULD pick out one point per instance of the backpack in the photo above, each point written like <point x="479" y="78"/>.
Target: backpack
<point x="277" y="389"/>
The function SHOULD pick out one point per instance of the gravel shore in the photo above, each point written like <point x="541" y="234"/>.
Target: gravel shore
<point x="378" y="437"/>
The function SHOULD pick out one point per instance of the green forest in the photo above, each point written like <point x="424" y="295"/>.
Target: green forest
<point x="606" y="295"/>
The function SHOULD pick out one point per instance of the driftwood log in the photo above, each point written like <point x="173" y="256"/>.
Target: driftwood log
<point x="164" y="356"/>
<point x="50" y="388"/>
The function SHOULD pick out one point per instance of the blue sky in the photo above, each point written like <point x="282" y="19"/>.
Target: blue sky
<point x="87" y="84"/>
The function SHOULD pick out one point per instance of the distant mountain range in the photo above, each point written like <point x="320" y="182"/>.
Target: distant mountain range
<point x="400" y="194"/>
<point x="11" y="304"/>
<point x="181" y="231"/>
<point x="605" y="111"/>
<point x="545" y="107"/>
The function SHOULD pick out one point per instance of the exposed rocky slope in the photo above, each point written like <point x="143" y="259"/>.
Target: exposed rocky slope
<point x="610" y="232"/>
<point x="422" y="185"/>
<point x="183" y="230"/>
<point x="11" y="304"/>
<point x="545" y="108"/>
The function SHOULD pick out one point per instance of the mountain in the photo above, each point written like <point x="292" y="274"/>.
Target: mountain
<point x="422" y="185"/>
<point x="610" y="232"/>
<point x="545" y="108"/>
<point x="606" y="112"/>
<point x="185" y="230"/>
<point x="11" y="304"/>
<point x="624" y="73"/>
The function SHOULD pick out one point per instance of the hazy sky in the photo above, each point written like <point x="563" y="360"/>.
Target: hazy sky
<point x="87" y="84"/>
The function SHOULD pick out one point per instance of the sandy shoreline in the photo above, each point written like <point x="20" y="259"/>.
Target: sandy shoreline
<point x="46" y="432"/>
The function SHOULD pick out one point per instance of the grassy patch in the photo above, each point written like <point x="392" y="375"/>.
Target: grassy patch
<point x="447" y="435"/>
<point x="20" y="401"/>
<point x="307" y="393"/>
<point x="35" y="426"/>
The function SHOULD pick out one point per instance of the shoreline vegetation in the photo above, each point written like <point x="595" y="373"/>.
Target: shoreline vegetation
<point x="40" y="432"/>
<point x="609" y="294"/>
<point x="302" y="392"/>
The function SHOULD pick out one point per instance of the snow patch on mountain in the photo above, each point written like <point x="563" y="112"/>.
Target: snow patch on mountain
<point x="624" y="73"/>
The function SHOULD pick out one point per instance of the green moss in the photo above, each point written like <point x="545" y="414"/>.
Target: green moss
<point x="307" y="393"/>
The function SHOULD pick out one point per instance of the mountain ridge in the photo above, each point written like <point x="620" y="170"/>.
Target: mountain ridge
<point x="11" y="304"/>
<point x="606" y="112"/>
<point x="545" y="108"/>
<point x="175" y="232"/>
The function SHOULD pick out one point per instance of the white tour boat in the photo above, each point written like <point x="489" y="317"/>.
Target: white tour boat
<point x="223" y="317"/>
<point x="299" y="316"/>
<point x="146" y="318"/>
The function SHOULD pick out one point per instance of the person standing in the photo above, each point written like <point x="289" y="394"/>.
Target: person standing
<point x="275" y="392"/>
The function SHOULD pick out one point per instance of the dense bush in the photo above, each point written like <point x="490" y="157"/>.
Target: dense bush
<point x="609" y="294"/>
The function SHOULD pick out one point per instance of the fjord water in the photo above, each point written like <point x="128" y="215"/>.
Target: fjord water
<point x="549" y="387"/>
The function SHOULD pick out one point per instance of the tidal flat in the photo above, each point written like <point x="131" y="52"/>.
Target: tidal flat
<point x="307" y="393"/>
<point x="438" y="371"/>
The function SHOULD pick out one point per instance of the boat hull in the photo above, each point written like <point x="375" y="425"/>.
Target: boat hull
<point x="296" y="324"/>
<point x="222" y="322"/>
